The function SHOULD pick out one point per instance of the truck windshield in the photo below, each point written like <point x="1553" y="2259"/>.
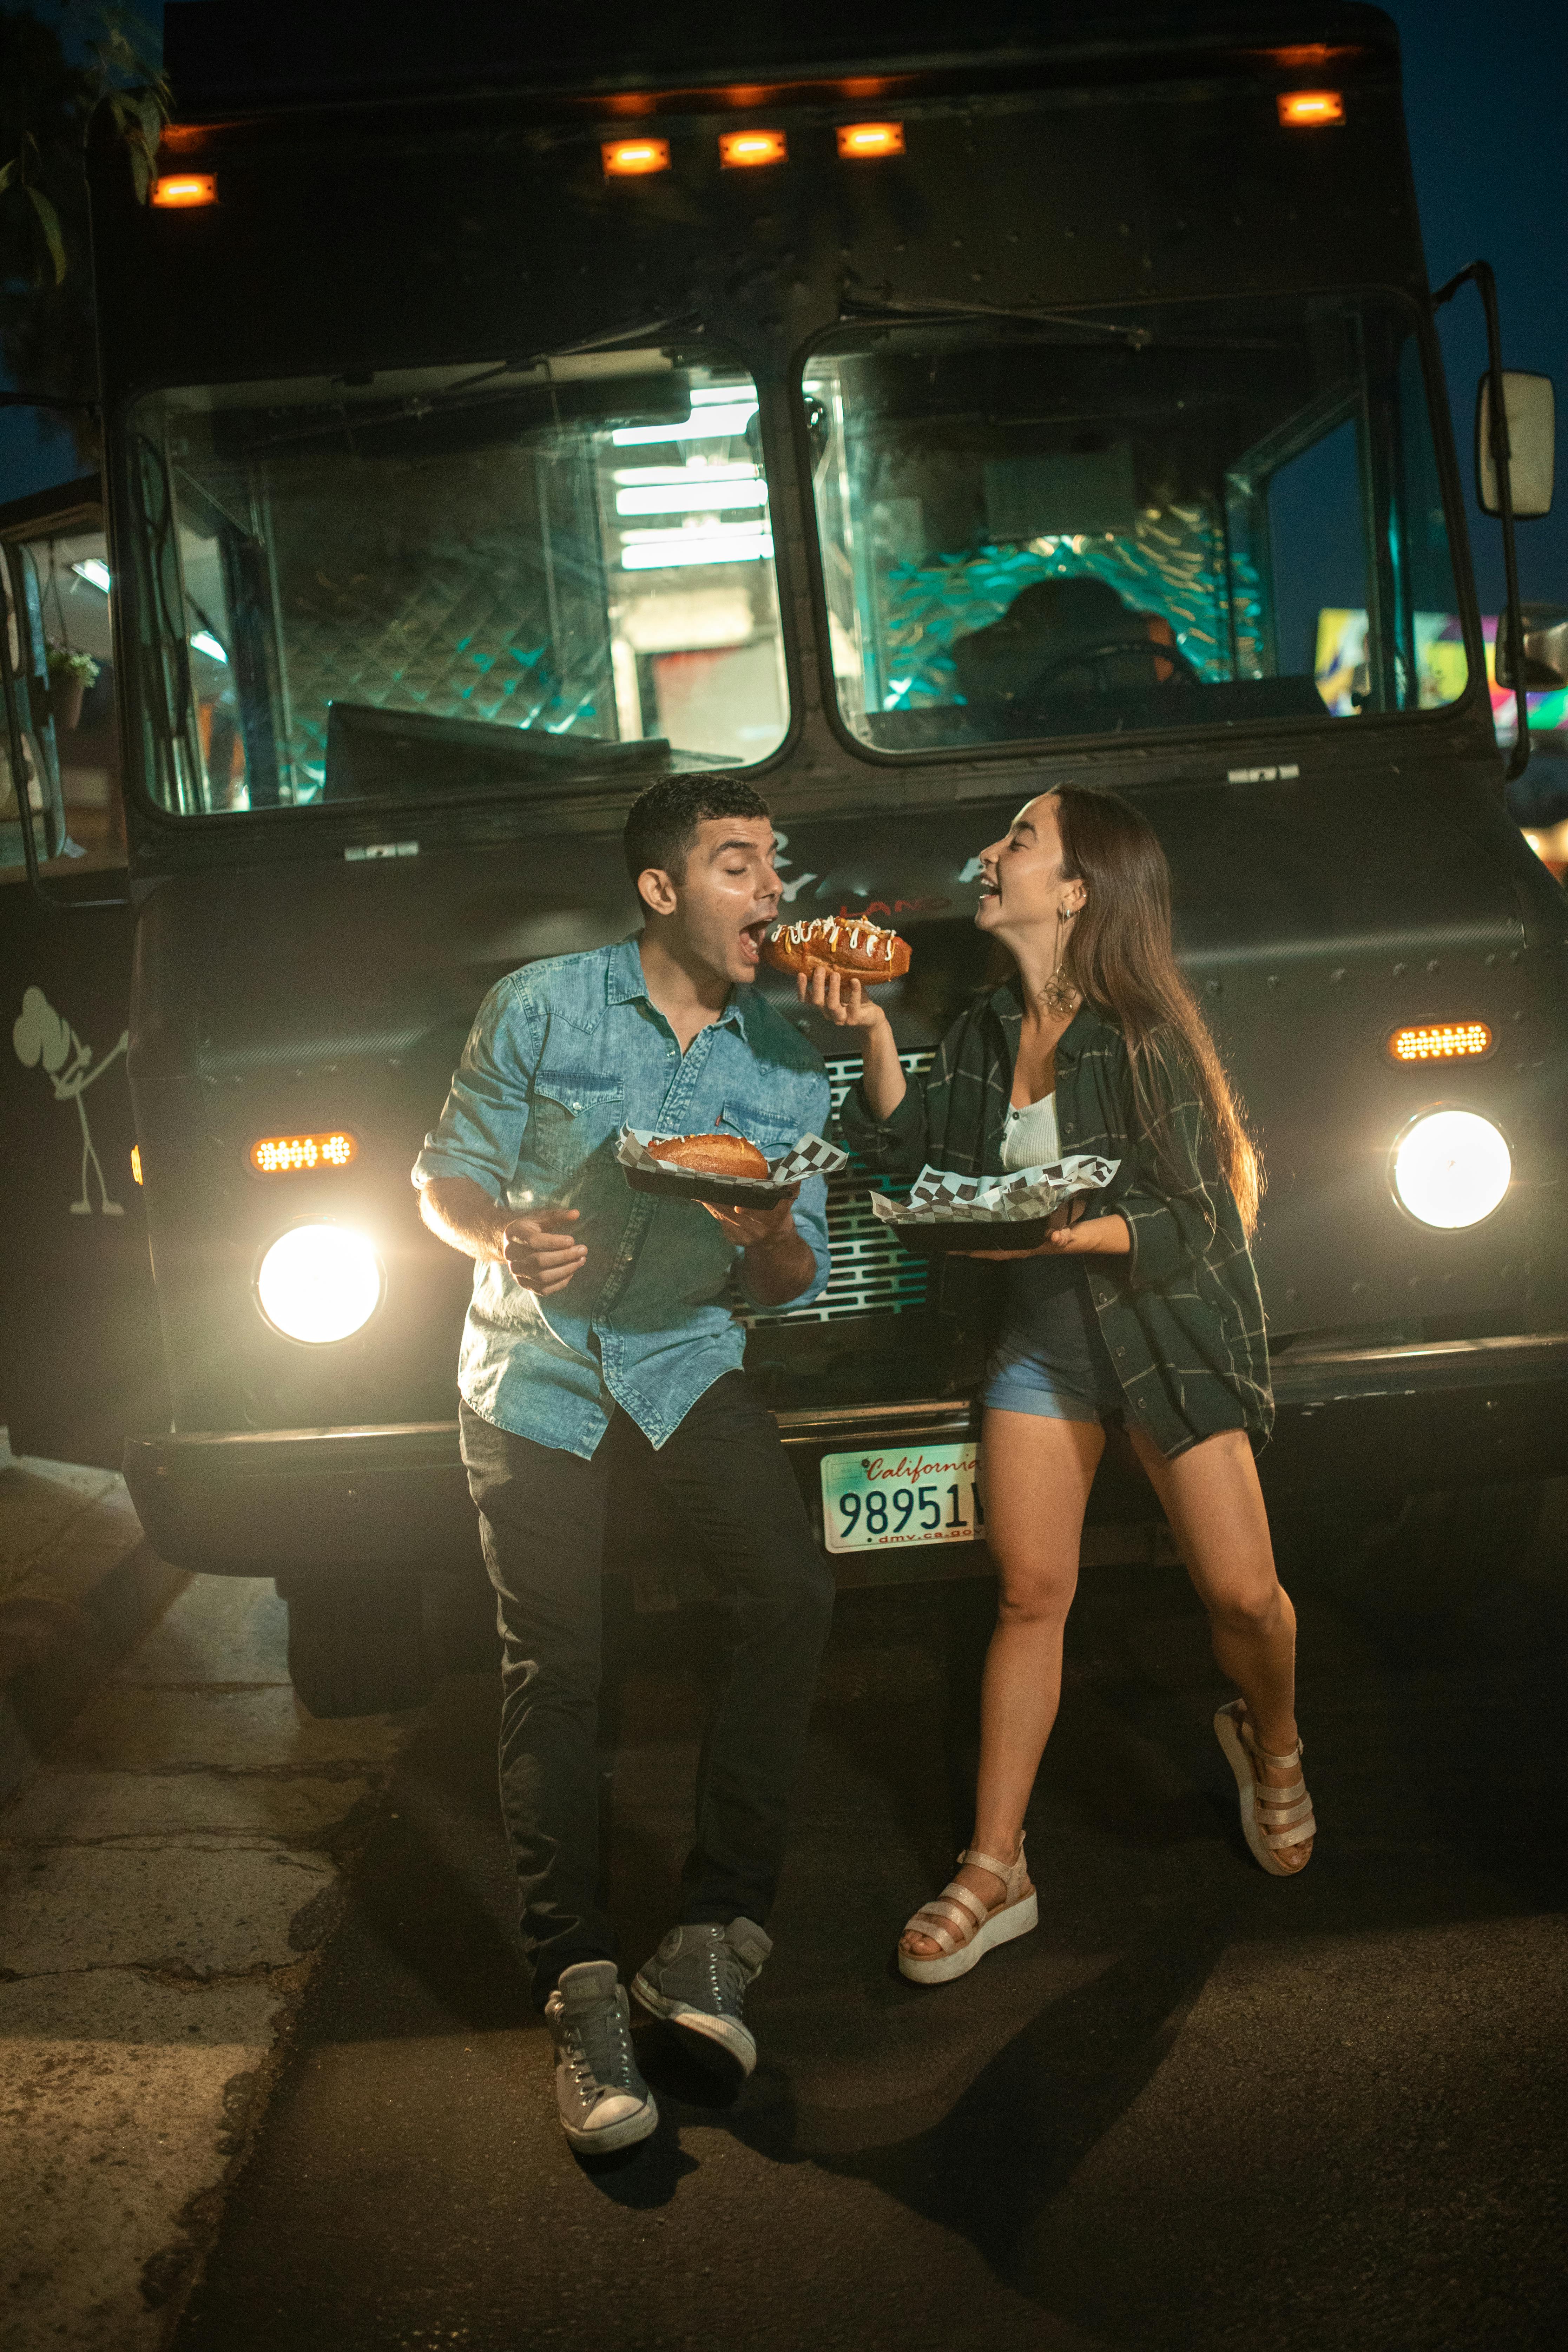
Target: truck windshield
<point x="1183" y="515"/>
<point x="419" y="584"/>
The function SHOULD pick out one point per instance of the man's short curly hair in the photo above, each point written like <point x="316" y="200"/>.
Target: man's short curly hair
<point x="663" y="821"/>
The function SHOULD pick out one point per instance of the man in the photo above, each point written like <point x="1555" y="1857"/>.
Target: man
<point x="601" y="1303"/>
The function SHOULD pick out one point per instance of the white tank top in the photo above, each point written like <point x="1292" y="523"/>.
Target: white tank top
<point x="1030" y="1139"/>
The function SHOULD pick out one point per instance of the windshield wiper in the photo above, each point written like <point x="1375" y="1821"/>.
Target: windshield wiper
<point x="932" y="308"/>
<point x="483" y="390"/>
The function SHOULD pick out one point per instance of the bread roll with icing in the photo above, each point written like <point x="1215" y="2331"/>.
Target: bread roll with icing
<point x="851" y="944"/>
<point x="710" y="1155"/>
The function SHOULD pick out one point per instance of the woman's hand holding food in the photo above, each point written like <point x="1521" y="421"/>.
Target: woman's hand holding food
<point x="1071" y="1231"/>
<point x="839" y="997"/>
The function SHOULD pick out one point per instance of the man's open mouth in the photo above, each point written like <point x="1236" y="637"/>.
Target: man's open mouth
<point x="752" y="938"/>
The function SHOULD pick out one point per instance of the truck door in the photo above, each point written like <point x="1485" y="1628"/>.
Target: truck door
<point x="80" y="1361"/>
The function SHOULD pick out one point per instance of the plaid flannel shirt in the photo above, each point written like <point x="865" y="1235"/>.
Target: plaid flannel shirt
<point x="1182" y="1315"/>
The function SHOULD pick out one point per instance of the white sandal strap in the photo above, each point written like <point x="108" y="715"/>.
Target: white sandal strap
<point x="1004" y="1871"/>
<point x="925" y="1923"/>
<point x="940" y="1908"/>
<point x="1267" y="1755"/>
<point x="1298" y="1836"/>
<point x="975" y="1905"/>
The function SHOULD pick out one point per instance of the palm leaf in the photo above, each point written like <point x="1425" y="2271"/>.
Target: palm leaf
<point x="49" y="223"/>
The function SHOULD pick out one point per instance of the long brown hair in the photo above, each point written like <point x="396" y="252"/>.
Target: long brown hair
<point x="1120" y="957"/>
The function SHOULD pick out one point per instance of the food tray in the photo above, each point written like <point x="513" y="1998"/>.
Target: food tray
<point x="808" y="1157"/>
<point x="946" y="1213"/>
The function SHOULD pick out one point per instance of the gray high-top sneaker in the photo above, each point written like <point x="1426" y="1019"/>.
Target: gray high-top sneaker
<point x="599" y="2090"/>
<point x="697" y="1981"/>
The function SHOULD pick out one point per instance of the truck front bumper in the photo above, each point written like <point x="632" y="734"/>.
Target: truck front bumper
<point x="1372" y="1422"/>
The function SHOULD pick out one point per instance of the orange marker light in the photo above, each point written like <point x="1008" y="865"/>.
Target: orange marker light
<point x="181" y="189"/>
<point x="1310" y="109"/>
<point x="627" y="159"/>
<point x="743" y="147"/>
<point x="1441" y="1041"/>
<point x="870" y="138"/>
<point x="287" y="1155"/>
<point x="136" y="1162"/>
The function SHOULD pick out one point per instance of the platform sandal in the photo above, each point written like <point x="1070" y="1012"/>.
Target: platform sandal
<point x="965" y="1929"/>
<point x="1272" y="1819"/>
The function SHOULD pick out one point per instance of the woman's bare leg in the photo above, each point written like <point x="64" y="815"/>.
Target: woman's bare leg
<point x="1035" y="1480"/>
<point x="1212" y="1498"/>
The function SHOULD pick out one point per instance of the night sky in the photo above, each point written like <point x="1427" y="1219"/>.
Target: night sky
<point x="1485" y="95"/>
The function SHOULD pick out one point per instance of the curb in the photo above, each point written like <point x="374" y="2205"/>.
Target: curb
<point x="94" y="1589"/>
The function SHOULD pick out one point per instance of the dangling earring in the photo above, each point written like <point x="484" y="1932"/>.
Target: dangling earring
<point x="1059" y="995"/>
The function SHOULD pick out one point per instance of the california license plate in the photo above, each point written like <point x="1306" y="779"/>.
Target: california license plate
<point x="914" y="1495"/>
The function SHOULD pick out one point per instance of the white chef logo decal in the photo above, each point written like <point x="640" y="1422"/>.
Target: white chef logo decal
<point x="40" y="1034"/>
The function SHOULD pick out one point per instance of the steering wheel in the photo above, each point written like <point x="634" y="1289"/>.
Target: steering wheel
<point x="1110" y="649"/>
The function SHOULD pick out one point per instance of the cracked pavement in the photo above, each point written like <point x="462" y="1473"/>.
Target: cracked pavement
<point x="167" y="1878"/>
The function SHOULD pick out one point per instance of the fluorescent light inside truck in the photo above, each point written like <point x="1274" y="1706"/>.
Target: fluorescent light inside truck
<point x="95" y="574"/>
<point x="714" y="423"/>
<point x="657" y="551"/>
<point x="699" y="494"/>
<point x="204" y="642"/>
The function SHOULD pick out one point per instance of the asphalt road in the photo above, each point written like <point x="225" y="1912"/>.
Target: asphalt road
<point x="1198" y="2107"/>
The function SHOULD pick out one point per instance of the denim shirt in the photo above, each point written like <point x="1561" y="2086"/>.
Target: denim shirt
<point x="562" y="1054"/>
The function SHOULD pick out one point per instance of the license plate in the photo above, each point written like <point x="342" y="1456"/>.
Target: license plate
<point x="914" y="1495"/>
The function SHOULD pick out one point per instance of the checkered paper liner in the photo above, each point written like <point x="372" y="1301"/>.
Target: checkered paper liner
<point x="810" y="1157"/>
<point x="939" y="1199"/>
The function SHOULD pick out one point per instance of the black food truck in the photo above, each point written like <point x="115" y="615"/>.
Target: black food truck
<point x="906" y="420"/>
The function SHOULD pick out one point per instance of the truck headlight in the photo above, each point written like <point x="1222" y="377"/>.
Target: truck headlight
<point x="319" y="1283"/>
<point x="1450" y="1168"/>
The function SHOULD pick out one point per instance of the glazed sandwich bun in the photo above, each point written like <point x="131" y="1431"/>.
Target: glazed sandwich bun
<point x="710" y="1155"/>
<point x="846" y="944"/>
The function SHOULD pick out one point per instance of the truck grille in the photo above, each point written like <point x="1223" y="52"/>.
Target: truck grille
<point x="871" y="1275"/>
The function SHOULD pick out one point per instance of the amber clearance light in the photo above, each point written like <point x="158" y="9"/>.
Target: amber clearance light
<point x="287" y="1155"/>
<point x="1310" y="109"/>
<point x="871" y="139"/>
<point x="1441" y="1041"/>
<point x="629" y="159"/>
<point x="738" y="147"/>
<point x="180" y="190"/>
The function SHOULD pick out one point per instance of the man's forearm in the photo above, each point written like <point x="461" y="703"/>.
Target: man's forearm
<point x="464" y="1216"/>
<point x="781" y="1269"/>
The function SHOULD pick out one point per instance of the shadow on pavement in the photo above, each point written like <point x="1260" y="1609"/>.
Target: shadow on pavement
<point x="1198" y="2103"/>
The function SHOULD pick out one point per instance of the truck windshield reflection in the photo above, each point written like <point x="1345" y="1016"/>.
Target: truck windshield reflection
<point x="1184" y="514"/>
<point x="421" y="582"/>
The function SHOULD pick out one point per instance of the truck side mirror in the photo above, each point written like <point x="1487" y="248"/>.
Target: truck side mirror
<point x="1530" y="414"/>
<point x="1545" y="648"/>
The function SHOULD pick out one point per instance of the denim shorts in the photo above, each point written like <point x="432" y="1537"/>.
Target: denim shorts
<point x="1051" y="1359"/>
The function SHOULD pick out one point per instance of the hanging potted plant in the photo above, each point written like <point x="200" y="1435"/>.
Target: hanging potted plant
<point x="70" y="674"/>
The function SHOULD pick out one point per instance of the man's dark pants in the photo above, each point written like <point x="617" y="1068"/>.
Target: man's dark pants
<point x="541" y="1515"/>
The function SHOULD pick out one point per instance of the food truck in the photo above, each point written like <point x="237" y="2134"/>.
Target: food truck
<point x="905" y="420"/>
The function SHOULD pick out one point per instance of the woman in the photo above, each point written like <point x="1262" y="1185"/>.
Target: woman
<point x="1140" y="1306"/>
